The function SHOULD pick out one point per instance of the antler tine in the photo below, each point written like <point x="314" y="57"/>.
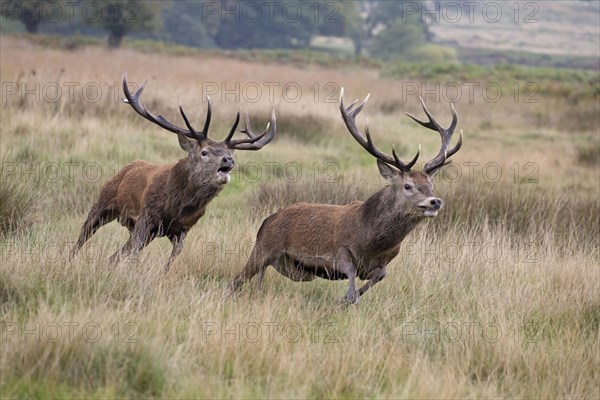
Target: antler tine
<point x="349" y="116"/>
<point x="446" y="135"/>
<point x="253" y="142"/>
<point x="349" y="120"/>
<point x="376" y="152"/>
<point x="431" y="124"/>
<point x="208" y="117"/>
<point x="411" y="163"/>
<point x="248" y="129"/>
<point x="233" y="128"/>
<point x="203" y="135"/>
<point x="134" y="101"/>
<point x="457" y="147"/>
<point x="186" y="120"/>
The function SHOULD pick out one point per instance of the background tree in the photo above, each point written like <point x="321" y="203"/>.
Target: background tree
<point x="290" y="24"/>
<point x="122" y="17"/>
<point x="30" y="12"/>
<point x="394" y="28"/>
<point x="184" y="22"/>
<point x="342" y="19"/>
<point x="396" y="40"/>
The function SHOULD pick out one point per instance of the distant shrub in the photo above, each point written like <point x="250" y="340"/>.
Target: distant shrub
<point x="580" y="117"/>
<point x="306" y="128"/>
<point x="433" y="53"/>
<point x="302" y="57"/>
<point x="589" y="155"/>
<point x="71" y="42"/>
<point x="17" y="204"/>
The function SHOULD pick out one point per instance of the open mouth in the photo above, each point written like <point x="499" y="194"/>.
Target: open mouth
<point x="223" y="173"/>
<point x="225" y="170"/>
<point x="428" y="212"/>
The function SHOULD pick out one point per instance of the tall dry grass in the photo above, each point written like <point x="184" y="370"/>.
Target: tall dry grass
<point x="497" y="297"/>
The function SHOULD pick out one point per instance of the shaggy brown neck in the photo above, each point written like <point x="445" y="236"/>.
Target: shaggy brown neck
<point x="193" y="189"/>
<point x="387" y="219"/>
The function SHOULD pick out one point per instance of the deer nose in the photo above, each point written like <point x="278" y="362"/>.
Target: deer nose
<point x="228" y="160"/>
<point x="436" y="203"/>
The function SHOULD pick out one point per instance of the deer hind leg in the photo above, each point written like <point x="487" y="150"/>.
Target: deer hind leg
<point x="376" y="276"/>
<point x="257" y="264"/>
<point x="343" y="263"/>
<point x="95" y="219"/>
<point x="141" y="236"/>
<point x="177" y="241"/>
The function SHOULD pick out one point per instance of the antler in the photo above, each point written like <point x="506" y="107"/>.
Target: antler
<point x="134" y="101"/>
<point x="446" y="134"/>
<point x="349" y="116"/>
<point x="254" y="141"/>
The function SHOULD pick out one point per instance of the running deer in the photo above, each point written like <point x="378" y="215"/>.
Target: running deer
<point x="304" y="241"/>
<point x="153" y="200"/>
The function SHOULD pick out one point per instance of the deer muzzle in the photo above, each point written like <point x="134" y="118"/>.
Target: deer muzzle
<point x="430" y="206"/>
<point x="227" y="164"/>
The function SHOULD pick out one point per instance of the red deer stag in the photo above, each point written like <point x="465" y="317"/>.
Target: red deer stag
<point x="167" y="200"/>
<point x="304" y="241"/>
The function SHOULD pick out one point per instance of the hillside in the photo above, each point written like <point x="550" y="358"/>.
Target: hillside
<point x="567" y="28"/>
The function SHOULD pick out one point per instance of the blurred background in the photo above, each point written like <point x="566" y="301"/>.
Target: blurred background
<point x="544" y="33"/>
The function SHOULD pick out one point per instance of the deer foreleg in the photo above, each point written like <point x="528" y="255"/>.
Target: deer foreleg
<point x="376" y="276"/>
<point x="343" y="263"/>
<point x="115" y="258"/>
<point x="260" y="279"/>
<point x="177" y="241"/>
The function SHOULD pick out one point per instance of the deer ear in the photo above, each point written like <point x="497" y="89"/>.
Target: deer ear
<point x="386" y="171"/>
<point x="185" y="143"/>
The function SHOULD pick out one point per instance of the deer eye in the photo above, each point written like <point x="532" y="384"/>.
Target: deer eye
<point x="204" y="153"/>
<point x="407" y="186"/>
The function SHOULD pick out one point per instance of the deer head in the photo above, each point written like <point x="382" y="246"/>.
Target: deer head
<point x="208" y="160"/>
<point x="413" y="189"/>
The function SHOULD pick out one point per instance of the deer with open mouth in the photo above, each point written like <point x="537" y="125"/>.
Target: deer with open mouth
<point x="153" y="200"/>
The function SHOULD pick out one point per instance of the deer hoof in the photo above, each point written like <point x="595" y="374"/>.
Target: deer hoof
<point x="350" y="298"/>
<point x="229" y="291"/>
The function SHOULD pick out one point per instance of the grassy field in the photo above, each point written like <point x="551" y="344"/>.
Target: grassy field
<point x="499" y="296"/>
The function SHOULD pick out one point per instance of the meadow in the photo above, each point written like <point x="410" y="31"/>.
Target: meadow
<point x="499" y="296"/>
